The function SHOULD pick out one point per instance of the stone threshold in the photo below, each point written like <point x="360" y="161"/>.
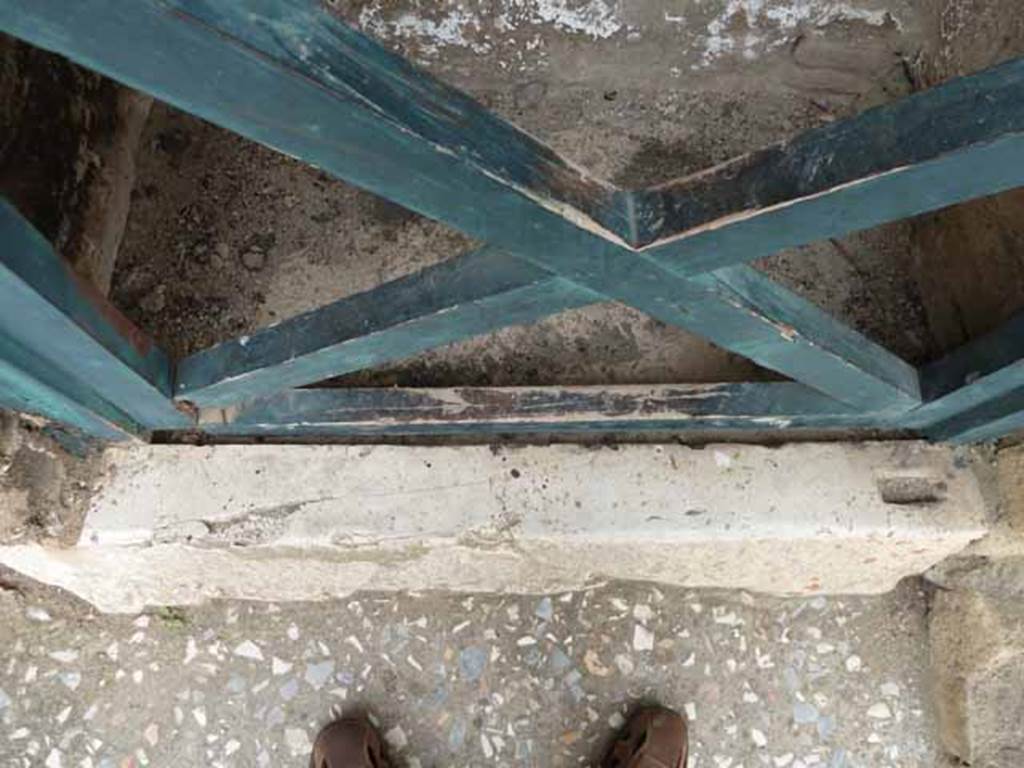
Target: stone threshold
<point x="183" y="524"/>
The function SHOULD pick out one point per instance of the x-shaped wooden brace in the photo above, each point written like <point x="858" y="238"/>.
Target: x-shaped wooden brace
<point x="288" y="74"/>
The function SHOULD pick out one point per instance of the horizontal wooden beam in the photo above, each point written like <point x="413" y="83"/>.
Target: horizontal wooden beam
<point x="472" y="294"/>
<point x="739" y="308"/>
<point x="973" y="393"/>
<point x="293" y="77"/>
<point x="550" y="410"/>
<point x="960" y="140"/>
<point x="82" y="344"/>
<point x="990" y="420"/>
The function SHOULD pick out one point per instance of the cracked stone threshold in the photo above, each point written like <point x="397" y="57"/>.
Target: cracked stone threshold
<point x="182" y="525"/>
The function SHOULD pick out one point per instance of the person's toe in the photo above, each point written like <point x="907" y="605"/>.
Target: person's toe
<point x="654" y="737"/>
<point x="348" y="743"/>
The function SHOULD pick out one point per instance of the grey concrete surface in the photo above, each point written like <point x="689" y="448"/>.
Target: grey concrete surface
<point x="181" y="524"/>
<point x="467" y="680"/>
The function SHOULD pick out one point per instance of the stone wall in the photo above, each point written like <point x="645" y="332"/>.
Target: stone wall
<point x="977" y="633"/>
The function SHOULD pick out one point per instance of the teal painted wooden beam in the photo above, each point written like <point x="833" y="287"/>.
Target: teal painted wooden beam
<point x="84" y="344"/>
<point x="471" y="294"/>
<point x="486" y="290"/>
<point x="960" y="140"/>
<point x="291" y="76"/>
<point x="887" y="163"/>
<point x="970" y="393"/>
<point x="822" y="351"/>
<point x="992" y="419"/>
<point x="24" y="388"/>
<point x="327" y="413"/>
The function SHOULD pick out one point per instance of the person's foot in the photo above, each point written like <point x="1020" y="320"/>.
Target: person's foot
<point x="654" y="737"/>
<point x="348" y="743"/>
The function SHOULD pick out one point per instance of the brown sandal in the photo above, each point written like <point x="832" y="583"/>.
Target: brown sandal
<point x="654" y="737"/>
<point x="351" y="742"/>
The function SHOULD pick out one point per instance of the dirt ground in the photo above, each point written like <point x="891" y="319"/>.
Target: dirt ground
<point x="44" y="489"/>
<point x="225" y="237"/>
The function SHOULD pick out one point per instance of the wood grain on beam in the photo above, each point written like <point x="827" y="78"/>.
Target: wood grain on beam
<point x="554" y="410"/>
<point x="471" y="294"/>
<point x="82" y="343"/>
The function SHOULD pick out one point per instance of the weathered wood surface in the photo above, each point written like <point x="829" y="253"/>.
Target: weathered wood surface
<point x="961" y="140"/>
<point x="24" y="388"/>
<point x="992" y="419"/>
<point x="972" y="394"/>
<point x="486" y="290"/>
<point x="821" y="351"/>
<point x="293" y="77"/>
<point x="82" y="343"/>
<point x="495" y="410"/>
<point x="471" y="294"/>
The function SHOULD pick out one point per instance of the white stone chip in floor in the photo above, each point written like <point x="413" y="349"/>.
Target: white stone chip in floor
<point x="468" y="680"/>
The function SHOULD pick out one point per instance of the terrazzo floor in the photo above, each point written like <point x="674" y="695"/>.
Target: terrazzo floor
<point x="467" y="680"/>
